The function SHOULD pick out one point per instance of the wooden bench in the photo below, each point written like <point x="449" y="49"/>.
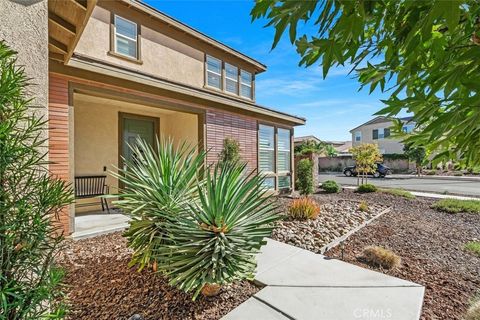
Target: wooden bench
<point x="91" y="187"/>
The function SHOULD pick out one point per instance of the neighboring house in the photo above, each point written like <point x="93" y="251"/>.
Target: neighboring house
<point x="121" y="69"/>
<point x="378" y="130"/>
<point x="341" y="147"/>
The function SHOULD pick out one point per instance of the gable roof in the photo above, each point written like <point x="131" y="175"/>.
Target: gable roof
<point x="155" y="13"/>
<point x="306" y="138"/>
<point x="382" y="119"/>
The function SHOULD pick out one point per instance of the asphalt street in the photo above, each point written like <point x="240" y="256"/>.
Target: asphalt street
<point x="425" y="184"/>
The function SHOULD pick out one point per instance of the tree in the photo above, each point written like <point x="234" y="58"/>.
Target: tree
<point x="416" y="154"/>
<point x="330" y="150"/>
<point x="424" y="53"/>
<point x="366" y="156"/>
<point x="230" y="151"/>
<point x="308" y="147"/>
<point x="30" y="201"/>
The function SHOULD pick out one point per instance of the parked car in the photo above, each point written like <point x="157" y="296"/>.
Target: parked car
<point x="381" y="171"/>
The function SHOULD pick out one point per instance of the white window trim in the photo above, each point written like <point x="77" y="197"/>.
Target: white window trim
<point x="232" y="79"/>
<point x="250" y="84"/>
<point x="116" y="34"/>
<point x="220" y="75"/>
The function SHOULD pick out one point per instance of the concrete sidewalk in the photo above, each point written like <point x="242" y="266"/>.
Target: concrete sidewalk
<point x="300" y="284"/>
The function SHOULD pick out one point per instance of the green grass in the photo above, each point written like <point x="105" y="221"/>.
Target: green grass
<point x="399" y="192"/>
<point x="473" y="246"/>
<point x="456" y="206"/>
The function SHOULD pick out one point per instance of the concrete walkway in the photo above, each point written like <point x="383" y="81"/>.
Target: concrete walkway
<point x="302" y="285"/>
<point x="95" y="224"/>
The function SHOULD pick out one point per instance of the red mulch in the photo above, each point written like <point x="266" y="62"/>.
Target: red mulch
<point x="102" y="286"/>
<point x="430" y="244"/>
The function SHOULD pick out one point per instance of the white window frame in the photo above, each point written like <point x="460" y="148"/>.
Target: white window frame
<point x="236" y="80"/>
<point x="381" y="133"/>
<point x="213" y="72"/>
<point x="358" y="136"/>
<point x="250" y="85"/>
<point x="115" y="35"/>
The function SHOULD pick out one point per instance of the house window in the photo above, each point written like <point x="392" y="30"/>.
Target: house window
<point x="380" y="133"/>
<point x="275" y="158"/>
<point x="283" y="158"/>
<point x="231" y="78"/>
<point x="408" y="128"/>
<point x="246" y="84"/>
<point x="358" y="136"/>
<point x="126" y="37"/>
<point x="214" y="72"/>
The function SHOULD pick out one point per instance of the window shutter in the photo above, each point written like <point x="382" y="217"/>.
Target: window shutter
<point x="375" y="134"/>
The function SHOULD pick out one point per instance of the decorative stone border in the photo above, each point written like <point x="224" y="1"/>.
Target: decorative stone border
<point x="341" y="239"/>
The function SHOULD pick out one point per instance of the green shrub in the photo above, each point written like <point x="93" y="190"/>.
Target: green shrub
<point x="367" y="187"/>
<point x="215" y="239"/>
<point x="30" y="203"/>
<point x="304" y="183"/>
<point x="303" y="209"/>
<point x="456" y="206"/>
<point x="399" y="192"/>
<point x="230" y="151"/>
<point x="473" y="246"/>
<point x="330" y="186"/>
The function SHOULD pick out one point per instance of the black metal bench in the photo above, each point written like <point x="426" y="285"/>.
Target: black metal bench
<point x="91" y="187"/>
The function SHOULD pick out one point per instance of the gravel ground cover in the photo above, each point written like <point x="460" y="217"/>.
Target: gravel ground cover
<point x="100" y="285"/>
<point x="338" y="215"/>
<point x="431" y="245"/>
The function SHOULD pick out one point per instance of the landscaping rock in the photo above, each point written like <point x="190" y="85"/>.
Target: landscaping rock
<point x="336" y="218"/>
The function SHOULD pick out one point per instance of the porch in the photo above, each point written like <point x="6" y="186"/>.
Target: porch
<point x="102" y="129"/>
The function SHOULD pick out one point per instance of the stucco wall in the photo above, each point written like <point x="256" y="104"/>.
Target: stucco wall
<point x="24" y="27"/>
<point x="96" y="133"/>
<point x="390" y="145"/>
<point x="160" y="55"/>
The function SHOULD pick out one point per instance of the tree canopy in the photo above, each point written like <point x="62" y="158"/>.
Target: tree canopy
<point x="423" y="53"/>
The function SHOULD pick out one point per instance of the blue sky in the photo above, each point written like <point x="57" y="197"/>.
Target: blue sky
<point x="332" y="106"/>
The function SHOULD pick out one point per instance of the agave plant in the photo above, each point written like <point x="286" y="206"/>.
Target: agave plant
<point x="157" y="184"/>
<point x="215" y="239"/>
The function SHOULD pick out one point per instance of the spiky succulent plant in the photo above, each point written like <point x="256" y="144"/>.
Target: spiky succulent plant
<point x="215" y="239"/>
<point x="157" y="184"/>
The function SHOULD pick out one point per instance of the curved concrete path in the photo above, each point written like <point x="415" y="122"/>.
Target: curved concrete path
<point x="302" y="285"/>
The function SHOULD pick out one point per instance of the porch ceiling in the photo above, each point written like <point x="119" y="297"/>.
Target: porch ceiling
<point x="66" y="22"/>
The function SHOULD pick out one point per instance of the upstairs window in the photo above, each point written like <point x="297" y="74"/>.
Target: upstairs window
<point x="246" y="84"/>
<point x="126" y="37"/>
<point x="231" y="78"/>
<point x="381" y="133"/>
<point x="408" y="128"/>
<point x="214" y="72"/>
<point x="358" y="136"/>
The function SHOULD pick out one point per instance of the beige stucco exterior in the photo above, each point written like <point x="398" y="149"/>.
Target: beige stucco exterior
<point x="96" y="133"/>
<point x="24" y="28"/>
<point x="387" y="146"/>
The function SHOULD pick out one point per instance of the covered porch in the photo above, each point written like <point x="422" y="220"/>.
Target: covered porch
<point x="102" y="126"/>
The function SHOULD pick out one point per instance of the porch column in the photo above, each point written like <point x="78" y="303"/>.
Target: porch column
<point x="59" y="131"/>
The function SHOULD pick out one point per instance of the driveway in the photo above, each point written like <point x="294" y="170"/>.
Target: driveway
<point x="425" y="184"/>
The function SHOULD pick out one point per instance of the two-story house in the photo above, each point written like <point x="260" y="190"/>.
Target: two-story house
<point x="122" y="69"/>
<point x="378" y="131"/>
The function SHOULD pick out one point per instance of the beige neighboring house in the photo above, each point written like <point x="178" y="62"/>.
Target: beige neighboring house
<point x="107" y="72"/>
<point x="378" y="130"/>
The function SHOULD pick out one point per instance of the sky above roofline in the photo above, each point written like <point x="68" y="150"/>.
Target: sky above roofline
<point x="332" y="106"/>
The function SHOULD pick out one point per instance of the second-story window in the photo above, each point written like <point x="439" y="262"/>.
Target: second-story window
<point x="214" y="72"/>
<point x="358" y="136"/>
<point x="246" y="84"/>
<point x="126" y="37"/>
<point x="231" y="78"/>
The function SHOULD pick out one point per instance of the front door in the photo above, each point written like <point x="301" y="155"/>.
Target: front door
<point x="134" y="126"/>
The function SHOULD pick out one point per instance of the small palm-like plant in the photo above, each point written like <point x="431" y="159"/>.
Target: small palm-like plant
<point x="215" y="240"/>
<point x="156" y="185"/>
